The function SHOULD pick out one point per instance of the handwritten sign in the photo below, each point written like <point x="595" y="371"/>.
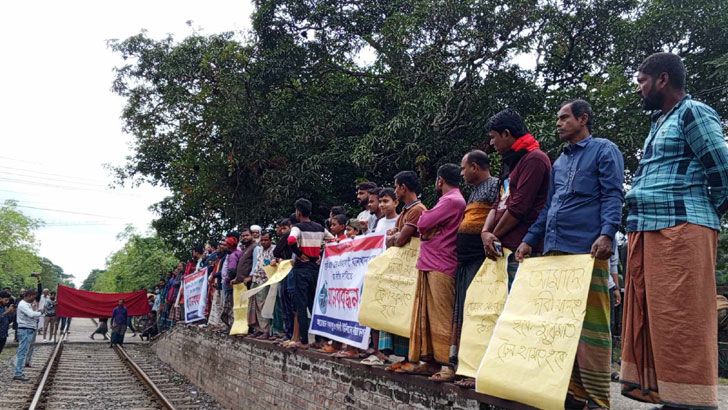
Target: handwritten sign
<point x="536" y="336"/>
<point x="484" y="303"/>
<point x="389" y="290"/>
<point x="240" y="310"/>
<point x="195" y="290"/>
<point x="338" y="290"/>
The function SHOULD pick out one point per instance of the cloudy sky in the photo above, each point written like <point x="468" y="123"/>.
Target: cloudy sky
<point x="61" y="122"/>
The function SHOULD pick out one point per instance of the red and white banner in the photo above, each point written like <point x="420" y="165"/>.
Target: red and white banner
<point x="195" y="292"/>
<point x="338" y="291"/>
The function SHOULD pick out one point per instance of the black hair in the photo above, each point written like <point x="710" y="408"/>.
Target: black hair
<point x="508" y="119"/>
<point x="4" y="294"/>
<point x="213" y="243"/>
<point x="669" y="63"/>
<point x="284" y="222"/>
<point x="450" y="173"/>
<point x="30" y="292"/>
<point x="341" y="219"/>
<point x="388" y="192"/>
<point x="198" y="248"/>
<point x="244" y="230"/>
<point x="580" y="107"/>
<point x="338" y="210"/>
<point x="375" y="191"/>
<point x="6" y="287"/>
<point x="409" y="179"/>
<point x="478" y="157"/>
<point x="53" y="292"/>
<point x="264" y="233"/>
<point x="304" y="206"/>
<point x="366" y="186"/>
<point x="293" y="219"/>
<point x="233" y="234"/>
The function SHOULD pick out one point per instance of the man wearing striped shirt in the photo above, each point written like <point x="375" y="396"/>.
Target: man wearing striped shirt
<point x="306" y="239"/>
<point x="679" y="192"/>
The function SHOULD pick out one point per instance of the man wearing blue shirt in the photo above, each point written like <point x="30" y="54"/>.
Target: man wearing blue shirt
<point x="679" y="192"/>
<point x="582" y="213"/>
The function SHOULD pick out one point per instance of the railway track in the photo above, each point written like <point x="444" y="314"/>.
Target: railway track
<point x="94" y="376"/>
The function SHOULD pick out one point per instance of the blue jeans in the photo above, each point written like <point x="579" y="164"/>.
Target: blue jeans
<point x="25" y="349"/>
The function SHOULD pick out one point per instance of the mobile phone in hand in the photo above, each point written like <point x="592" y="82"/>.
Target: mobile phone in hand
<point x="498" y="248"/>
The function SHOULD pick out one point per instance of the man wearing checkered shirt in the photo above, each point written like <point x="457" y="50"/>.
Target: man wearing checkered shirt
<point x="679" y="192"/>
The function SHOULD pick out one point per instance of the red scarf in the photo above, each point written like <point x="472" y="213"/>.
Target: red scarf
<point x="526" y="142"/>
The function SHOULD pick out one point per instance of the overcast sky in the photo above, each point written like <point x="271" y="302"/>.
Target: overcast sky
<point x="61" y="122"/>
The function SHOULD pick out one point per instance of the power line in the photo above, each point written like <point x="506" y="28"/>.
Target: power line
<point x="72" y="212"/>
<point x="49" y="178"/>
<point x="50" y="173"/>
<point x="65" y="187"/>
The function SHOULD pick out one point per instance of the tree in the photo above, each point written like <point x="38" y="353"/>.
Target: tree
<point x="18" y="247"/>
<point x="139" y="264"/>
<point x="322" y="94"/>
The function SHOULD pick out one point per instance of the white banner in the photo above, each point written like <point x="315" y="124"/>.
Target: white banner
<point x="338" y="291"/>
<point x="195" y="293"/>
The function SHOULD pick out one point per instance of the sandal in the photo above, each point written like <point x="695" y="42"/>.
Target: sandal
<point x="447" y="374"/>
<point x="372" y="361"/>
<point x="395" y="366"/>
<point x="346" y="354"/>
<point x="328" y="349"/>
<point x="466" y="383"/>
<point x="424" y="369"/>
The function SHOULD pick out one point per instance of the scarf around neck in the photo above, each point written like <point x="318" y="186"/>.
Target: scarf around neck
<point x="523" y="145"/>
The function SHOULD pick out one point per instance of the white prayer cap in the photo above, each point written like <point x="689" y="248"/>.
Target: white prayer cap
<point x="256" y="228"/>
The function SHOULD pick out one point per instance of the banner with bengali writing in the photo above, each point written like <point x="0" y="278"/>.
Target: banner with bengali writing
<point x="484" y="303"/>
<point x="536" y="336"/>
<point x="338" y="290"/>
<point x="195" y="291"/>
<point x="240" y="310"/>
<point x="390" y="284"/>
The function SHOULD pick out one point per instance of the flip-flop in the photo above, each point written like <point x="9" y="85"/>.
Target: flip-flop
<point x="372" y="361"/>
<point x="346" y="354"/>
<point x="420" y="369"/>
<point x="395" y="366"/>
<point x="466" y="383"/>
<point x="444" y="375"/>
<point x="328" y="349"/>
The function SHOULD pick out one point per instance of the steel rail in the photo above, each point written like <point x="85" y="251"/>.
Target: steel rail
<point x="143" y="376"/>
<point x="46" y="374"/>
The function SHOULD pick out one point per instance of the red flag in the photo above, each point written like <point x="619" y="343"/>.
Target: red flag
<point x="81" y="303"/>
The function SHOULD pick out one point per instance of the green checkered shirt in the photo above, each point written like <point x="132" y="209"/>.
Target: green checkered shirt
<point x="683" y="174"/>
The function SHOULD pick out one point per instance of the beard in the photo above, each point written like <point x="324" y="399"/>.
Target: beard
<point x="653" y="101"/>
<point x="364" y="204"/>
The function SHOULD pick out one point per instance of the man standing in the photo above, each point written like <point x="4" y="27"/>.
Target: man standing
<point x="375" y="214"/>
<point x="27" y="326"/>
<point x="51" y="321"/>
<point x="284" y="303"/>
<point x="255" y="232"/>
<point x="475" y="169"/>
<point x="362" y="194"/>
<point x="41" y="308"/>
<point x="306" y="239"/>
<point x="6" y="315"/>
<point x="435" y="294"/>
<point x="524" y="185"/>
<point x="679" y="192"/>
<point x="263" y="258"/>
<point x="582" y="213"/>
<point x="118" y="324"/>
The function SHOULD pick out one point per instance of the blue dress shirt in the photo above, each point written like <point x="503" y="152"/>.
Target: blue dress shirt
<point x="584" y="199"/>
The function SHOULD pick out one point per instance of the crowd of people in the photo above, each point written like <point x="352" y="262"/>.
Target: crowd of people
<point x="532" y="208"/>
<point x="31" y="314"/>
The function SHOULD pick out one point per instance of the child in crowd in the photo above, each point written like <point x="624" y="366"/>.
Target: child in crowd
<point x="388" y="205"/>
<point x="353" y="228"/>
<point x="338" y="227"/>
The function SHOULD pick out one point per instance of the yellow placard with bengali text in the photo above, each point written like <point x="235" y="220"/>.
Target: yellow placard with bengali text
<point x="484" y="303"/>
<point x="389" y="290"/>
<point x="275" y="274"/>
<point x="240" y="310"/>
<point x="531" y="354"/>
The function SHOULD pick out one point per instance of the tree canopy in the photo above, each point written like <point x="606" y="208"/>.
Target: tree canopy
<point x="322" y="94"/>
<point x="19" y="252"/>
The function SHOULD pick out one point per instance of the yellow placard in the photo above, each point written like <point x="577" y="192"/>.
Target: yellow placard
<point x="532" y="351"/>
<point x="484" y="303"/>
<point x="240" y="310"/>
<point x="275" y="274"/>
<point x="389" y="290"/>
